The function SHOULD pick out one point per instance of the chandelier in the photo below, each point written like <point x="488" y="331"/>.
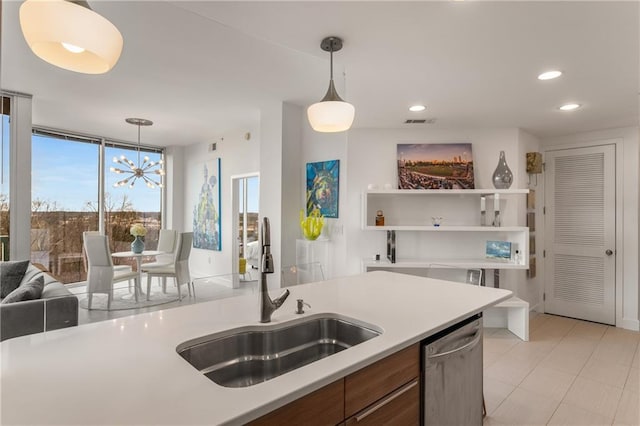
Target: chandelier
<point x="144" y="170"/>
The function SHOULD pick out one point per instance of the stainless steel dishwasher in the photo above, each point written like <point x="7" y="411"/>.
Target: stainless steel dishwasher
<point x="452" y="375"/>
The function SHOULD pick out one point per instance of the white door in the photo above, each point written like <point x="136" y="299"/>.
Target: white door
<point x="580" y="233"/>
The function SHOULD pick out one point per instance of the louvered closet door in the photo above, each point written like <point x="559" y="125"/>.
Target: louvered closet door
<point x="580" y="233"/>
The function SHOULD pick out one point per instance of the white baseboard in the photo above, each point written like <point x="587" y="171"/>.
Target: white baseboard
<point x="630" y="324"/>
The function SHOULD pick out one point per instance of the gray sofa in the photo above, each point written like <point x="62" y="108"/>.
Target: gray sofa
<point x="57" y="308"/>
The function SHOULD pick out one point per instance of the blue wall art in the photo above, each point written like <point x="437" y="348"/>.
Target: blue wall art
<point x="323" y="187"/>
<point x="206" y="212"/>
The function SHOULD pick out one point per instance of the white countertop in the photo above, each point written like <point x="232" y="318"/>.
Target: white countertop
<point x="127" y="370"/>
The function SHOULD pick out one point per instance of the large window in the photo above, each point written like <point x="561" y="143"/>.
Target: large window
<point x="66" y="201"/>
<point x="4" y="179"/>
<point x="125" y="205"/>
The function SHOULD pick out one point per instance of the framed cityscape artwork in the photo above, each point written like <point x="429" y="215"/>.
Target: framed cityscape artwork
<point x="435" y="166"/>
<point x="323" y="189"/>
<point x="206" y="212"/>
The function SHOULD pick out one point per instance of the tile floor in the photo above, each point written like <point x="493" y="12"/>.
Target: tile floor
<point x="571" y="372"/>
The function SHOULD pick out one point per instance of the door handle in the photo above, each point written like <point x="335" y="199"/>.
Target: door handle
<point x="469" y="345"/>
<point x="609" y="252"/>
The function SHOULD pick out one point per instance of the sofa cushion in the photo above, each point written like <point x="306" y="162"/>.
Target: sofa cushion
<point x="11" y="274"/>
<point x="29" y="291"/>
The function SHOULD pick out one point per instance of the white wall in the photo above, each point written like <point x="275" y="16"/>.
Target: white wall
<point x="628" y="162"/>
<point x="175" y="184"/>
<point x="371" y="158"/>
<point x="20" y="177"/>
<point x="238" y="156"/>
<point x="531" y="289"/>
<point x="324" y="147"/>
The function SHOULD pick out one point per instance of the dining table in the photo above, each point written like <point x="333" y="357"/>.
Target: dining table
<point x="138" y="257"/>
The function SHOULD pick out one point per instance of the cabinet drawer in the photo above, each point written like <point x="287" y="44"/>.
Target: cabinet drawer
<point x="372" y="383"/>
<point x="322" y="407"/>
<point x="401" y="408"/>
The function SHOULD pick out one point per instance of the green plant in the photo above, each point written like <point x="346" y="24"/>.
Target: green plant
<point x="312" y="224"/>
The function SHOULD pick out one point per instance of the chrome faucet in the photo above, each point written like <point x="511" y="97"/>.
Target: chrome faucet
<point x="267" y="306"/>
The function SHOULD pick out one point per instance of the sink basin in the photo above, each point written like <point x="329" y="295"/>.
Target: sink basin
<point x="247" y="356"/>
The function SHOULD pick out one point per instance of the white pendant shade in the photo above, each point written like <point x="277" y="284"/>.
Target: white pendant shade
<point x="331" y="116"/>
<point x="93" y="44"/>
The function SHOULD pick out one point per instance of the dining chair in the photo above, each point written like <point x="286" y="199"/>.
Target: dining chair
<point x="301" y="274"/>
<point x="116" y="268"/>
<point x="101" y="274"/>
<point x="167" y="243"/>
<point x="178" y="270"/>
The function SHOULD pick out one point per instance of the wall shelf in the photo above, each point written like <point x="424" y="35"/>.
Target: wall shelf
<point x="459" y="241"/>
<point x="471" y="263"/>
<point x="443" y="228"/>
<point x="487" y="192"/>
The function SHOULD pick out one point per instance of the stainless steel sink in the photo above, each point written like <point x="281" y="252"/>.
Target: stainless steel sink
<point x="247" y="356"/>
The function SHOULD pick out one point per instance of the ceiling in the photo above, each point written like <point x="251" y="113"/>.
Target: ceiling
<point x="202" y="69"/>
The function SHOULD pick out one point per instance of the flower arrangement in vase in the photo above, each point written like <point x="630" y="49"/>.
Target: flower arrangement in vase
<point x="312" y="224"/>
<point x="138" y="231"/>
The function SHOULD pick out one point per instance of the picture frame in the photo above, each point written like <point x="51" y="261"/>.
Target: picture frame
<point x="435" y="166"/>
<point x="531" y="272"/>
<point x="206" y="211"/>
<point x="534" y="162"/>
<point x="531" y="199"/>
<point x="499" y="250"/>
<point x="323" y="187"/>
<point x="532" y="244"/>
<point x="531" y="221"/>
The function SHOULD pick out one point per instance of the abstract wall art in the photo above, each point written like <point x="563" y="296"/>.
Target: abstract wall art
<point x="206" y="212"/>
<point x="323" y="187"/>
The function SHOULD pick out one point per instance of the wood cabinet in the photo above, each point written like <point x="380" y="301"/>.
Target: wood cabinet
<point x="372" y="383"/>
<point x="386" y="392"/>
<point x="322" y="407"/>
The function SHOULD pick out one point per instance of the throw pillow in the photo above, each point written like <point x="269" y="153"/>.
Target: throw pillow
<point x="29" y="291"/>
<point x="11" y="273"/>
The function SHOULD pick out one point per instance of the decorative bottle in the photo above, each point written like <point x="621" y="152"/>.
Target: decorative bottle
<point x="379" y="218"/>
<point x="137" y="246"/>
<point x="502" y="176"/>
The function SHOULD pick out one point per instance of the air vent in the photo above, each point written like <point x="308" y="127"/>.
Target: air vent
<point x="420" y="121"/>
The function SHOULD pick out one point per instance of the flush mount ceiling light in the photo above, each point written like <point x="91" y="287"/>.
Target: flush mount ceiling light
<point x="69" y="35"/>
<point x="549" y="75"/>
<point x="569" y="107"/>
<point x="331" y="114"/>
<point x="417" y="108"/>
<point x="141" y="171"/>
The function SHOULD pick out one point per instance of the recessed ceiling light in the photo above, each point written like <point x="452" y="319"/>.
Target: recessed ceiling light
<point x="549" y="75"/>
<point x="417" y="108"/>
<point x="569" y="107"/>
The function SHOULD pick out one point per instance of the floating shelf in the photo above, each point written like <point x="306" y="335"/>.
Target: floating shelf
<point x="443" y="228"/>
<point x="370" y="264"/>
<point x="448" y="191"/>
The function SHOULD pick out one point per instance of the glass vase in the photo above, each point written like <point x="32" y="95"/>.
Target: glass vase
<point x="502" y="176"/>
<point x="137" y="246"/>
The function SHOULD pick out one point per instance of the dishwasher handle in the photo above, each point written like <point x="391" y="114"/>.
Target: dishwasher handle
<point x="462" y="348"/>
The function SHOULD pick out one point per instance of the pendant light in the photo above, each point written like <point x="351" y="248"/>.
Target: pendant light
<point x="331" y="114"/>
<point x="143" y="170"/>
<point x="69" y="35"/>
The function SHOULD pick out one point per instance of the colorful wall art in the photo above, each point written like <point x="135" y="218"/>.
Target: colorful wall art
<point x="323" y="187"/>
<point x="206" y="212"/>
<point x="435" y="166"/>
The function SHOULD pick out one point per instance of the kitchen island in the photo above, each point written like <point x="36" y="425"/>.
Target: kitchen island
<point x="127" y="370"/>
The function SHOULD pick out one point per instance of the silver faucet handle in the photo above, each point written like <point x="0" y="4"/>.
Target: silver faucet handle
<point x="300" y="307"/>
